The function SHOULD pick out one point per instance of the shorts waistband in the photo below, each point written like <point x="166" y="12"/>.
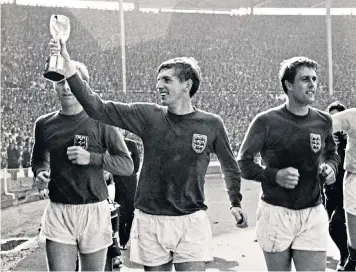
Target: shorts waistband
<point x="137" y="211"/>
<point x="264" y="203"/>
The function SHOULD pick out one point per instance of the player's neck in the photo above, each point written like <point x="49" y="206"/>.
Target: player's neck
<point x="71" y="110"/>
<point x="297" y="109"/>
<point x="181" y="108"/>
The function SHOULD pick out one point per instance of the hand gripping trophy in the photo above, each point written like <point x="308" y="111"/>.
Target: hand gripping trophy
<point x="60" y="29"/>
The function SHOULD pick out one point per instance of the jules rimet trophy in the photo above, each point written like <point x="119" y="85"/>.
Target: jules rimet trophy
<point x="59" y="26"/>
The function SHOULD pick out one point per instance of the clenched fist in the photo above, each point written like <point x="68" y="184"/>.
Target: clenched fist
<point x="240" y="217"/>
<point x="287" y="177"/>
<point x="78" y="155"/>
<point x="328" y="173"/>
<point x="41" y="182"/>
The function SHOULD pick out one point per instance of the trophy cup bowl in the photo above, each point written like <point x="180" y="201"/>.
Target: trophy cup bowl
<point x="59" y="26"/>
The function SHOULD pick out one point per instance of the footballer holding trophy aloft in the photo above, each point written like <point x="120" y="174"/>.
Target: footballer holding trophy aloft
<point x="59" y="26"/>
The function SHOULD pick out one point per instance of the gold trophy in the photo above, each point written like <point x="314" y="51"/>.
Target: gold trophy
<point x="59" y="26"/>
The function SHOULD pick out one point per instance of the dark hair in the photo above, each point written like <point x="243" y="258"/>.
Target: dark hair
<point x="289" y="68"/>
<point x="335" y="106"/>
<point x="184" y="69"/>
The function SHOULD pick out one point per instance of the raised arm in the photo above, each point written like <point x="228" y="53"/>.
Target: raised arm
<point x="127" y="116"/>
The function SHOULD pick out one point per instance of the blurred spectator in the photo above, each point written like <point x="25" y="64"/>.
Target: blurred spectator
<point x="26" y="156"/>
<point x="239" y="59"/>
<point x="14" y="158"/>
<point x="3" y="158"/>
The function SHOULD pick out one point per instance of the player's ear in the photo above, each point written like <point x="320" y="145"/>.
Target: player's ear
<point x="288" y="85"/>
<point x="188" y="85"/>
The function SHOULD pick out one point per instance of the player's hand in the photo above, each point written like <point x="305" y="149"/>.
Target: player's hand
<point x="60" y="47"/>
<point x="78" y="155"/>
<point x="287" y="177"/>
<point x="240" y="217"/>
<point x="42" y="180"/>
<point x="107" y="175"/>
<point x="336" y="139"/>
<point x="43" y="193"/>
<point x="328" y="173"/>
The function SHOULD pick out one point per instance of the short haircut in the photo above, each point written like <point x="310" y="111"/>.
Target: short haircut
<point x="289" y="68"/>
<point x="184" y="69"/>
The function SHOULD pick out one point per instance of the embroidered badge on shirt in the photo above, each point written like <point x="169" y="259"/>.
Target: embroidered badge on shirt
<point x="82" y="141"/>
<point x="199" y="142"/>
<point x="315" y="142"/>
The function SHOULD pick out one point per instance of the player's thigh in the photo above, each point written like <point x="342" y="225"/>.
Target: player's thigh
<point x="164" y="267"/>
<point x="93" y="261"/>
<point x="61" y="257"/>
<point x="278" y="261"/>
<point x="305" y="260"/>
<point x="190" y="266"/>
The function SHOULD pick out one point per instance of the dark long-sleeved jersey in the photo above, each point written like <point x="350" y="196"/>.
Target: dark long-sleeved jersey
<point x="287" y="140"/>
<point x="177" y="151"/>
<point x="128" y="184"/>
<point x="72" y="183"/>
<point x="135" y="154"/>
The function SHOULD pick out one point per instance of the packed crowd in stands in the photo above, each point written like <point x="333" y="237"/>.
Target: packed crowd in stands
<point x="239" y="57"/>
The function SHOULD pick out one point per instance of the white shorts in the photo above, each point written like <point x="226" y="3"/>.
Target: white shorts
<point x="159" y="239"/>
<point x="350" y="193"/>
<point x="279" y="228"/>
<point x="85" y="225"/>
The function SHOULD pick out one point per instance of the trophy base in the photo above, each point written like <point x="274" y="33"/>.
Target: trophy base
<point x="54" y="68"/>
<point x="53" y="76"/>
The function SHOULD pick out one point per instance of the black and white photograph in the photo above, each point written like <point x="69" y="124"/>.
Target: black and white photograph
<point x="178" y="135"/>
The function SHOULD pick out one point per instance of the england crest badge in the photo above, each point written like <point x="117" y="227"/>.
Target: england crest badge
<point x="199" y="142"/>
<point x="82" y="141"/>
<point x="315" y="142"/>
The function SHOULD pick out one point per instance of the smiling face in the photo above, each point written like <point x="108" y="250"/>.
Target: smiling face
<point x="303" y="89"/>
<point x="171" y="90"/>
